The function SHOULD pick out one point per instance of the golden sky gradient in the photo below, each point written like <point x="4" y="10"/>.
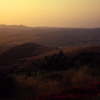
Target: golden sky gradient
<point x="51" y="13"/>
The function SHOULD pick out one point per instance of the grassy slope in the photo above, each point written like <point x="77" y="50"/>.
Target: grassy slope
<point x="29" y="87"/>
<point x="23" y="51"/>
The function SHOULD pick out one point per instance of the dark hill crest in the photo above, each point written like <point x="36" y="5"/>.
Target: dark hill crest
<point x="23" y="51"/>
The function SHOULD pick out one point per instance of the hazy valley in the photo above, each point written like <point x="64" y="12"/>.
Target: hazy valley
<point x="11" y="36"/>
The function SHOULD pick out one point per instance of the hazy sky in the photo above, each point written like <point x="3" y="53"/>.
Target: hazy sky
<point x="53" y="13"/>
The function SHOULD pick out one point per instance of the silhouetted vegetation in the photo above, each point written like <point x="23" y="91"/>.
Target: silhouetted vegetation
<point x="59" y="61"/>
<point x="51" y="73"/>
<point x="90" y="59"/>
<point x="54" y="62"/>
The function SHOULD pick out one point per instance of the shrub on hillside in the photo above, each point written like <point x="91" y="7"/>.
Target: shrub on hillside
<point x="59" y="61"/>
<point x="55" y="62"/>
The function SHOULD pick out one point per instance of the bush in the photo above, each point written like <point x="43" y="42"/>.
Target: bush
<point x="54" y="62"/>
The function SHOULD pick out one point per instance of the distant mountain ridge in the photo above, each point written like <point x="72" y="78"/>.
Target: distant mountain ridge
<point x="23" y="27"/>
<point x="14" y="26"/>
<point x="27" y="27"/>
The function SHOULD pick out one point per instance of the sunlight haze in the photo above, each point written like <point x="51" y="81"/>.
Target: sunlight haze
<point x="51" y="13"/>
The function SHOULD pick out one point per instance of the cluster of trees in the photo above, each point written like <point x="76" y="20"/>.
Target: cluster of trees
<point x="59" y="61"/>
<point x="54" y="62"/>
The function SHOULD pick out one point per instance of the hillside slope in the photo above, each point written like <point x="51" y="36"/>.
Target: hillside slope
<point x="23" y="51"/>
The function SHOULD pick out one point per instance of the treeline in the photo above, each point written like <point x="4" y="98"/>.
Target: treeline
<point x="59" y="61"/>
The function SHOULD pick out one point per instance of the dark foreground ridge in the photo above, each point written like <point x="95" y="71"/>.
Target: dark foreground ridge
<point x="22" y="51"/>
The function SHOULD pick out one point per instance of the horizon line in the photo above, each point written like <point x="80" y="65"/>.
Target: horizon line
<point x="50" y="26"/>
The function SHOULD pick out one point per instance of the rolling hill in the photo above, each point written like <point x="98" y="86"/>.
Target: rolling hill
<point x="68" y="51"/>
<point x="23" y="51"/>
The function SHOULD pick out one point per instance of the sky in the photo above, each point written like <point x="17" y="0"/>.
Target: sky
<point x="51" y="13"/>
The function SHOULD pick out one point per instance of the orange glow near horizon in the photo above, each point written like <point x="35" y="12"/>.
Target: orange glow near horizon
<point x="53" y="13"/>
